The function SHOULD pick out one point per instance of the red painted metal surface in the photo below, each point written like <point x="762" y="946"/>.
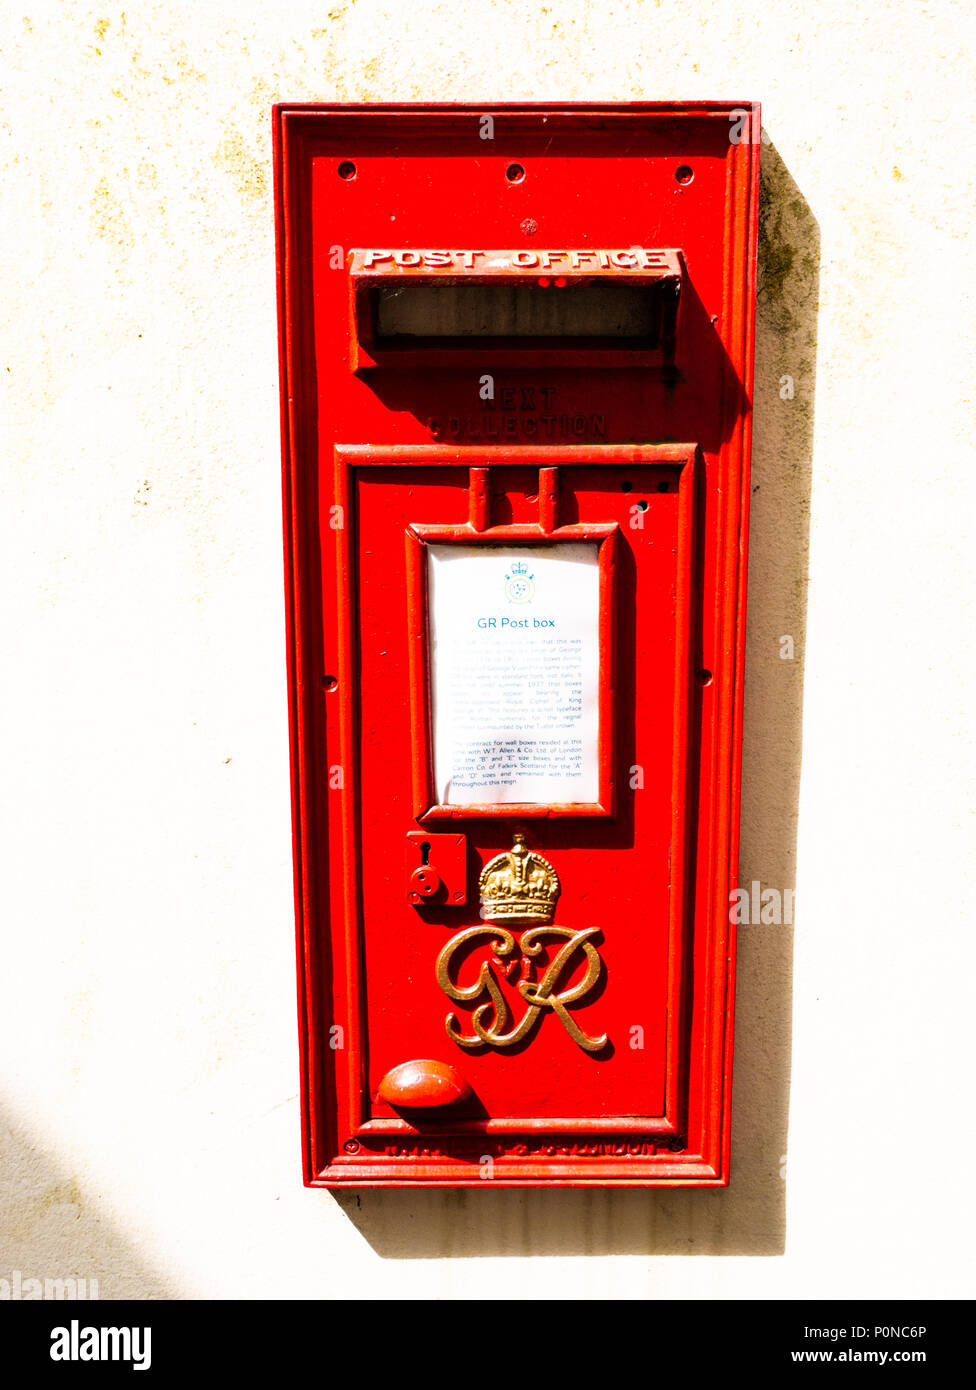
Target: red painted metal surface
<point x="642" y="450"/>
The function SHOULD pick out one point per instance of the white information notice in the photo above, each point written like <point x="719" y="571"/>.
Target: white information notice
<point x="515" y="657"/>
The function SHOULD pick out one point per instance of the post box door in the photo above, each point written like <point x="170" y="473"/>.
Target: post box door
<point x="614" y="871"/>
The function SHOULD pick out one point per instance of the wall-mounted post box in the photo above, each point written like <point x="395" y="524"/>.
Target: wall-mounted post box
<point x="516" y="361"/>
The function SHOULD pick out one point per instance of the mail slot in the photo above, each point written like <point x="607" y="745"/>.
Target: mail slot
<point x="516" y="368"/>
<point x="572" y="306"/>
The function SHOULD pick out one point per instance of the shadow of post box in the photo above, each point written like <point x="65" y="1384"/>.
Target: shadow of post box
<point x="516" y="359"/>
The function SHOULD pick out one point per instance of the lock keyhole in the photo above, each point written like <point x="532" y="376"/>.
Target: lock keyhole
<point x="425" y="881"/>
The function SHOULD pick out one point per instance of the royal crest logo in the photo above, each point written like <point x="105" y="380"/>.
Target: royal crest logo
<point x="492" y="1021"/>
<point x="519" y="584"/>
<point x="517" y="888"/>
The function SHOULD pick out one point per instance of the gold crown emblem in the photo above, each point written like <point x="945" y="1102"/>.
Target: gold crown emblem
<point x="518" y="886"/>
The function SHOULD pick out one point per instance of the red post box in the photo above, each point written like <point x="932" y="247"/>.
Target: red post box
<point x="516" y="363"/>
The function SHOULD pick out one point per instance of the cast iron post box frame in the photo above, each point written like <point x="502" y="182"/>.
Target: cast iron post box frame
<point x="377" y="448"/>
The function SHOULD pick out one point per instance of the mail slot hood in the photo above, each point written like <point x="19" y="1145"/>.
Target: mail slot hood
<point x="566" y="307"/>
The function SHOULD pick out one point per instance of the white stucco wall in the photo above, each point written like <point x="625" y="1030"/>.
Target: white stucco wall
<point x="148" y="1075"/>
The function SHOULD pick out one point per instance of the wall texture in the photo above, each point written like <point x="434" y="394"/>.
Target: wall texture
<point x="148" y="1109"/>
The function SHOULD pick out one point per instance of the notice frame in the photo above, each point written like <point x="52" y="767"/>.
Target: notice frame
<point x="427" y="807"/>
